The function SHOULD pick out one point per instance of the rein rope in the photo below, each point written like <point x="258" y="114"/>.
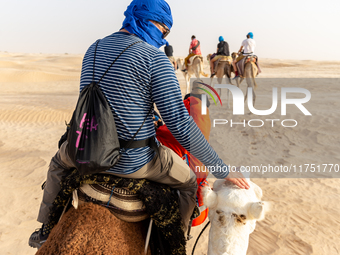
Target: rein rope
<point x="193" y="250"/>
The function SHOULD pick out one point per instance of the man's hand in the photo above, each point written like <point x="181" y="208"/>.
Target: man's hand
<point x="238" y="179"/>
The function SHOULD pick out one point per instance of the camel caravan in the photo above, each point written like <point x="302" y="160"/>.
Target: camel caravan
<point x="124" y="179"/>
<point x="194" y="68"/>
<point x="244" y="64"/>
<point x="106" y="214"/>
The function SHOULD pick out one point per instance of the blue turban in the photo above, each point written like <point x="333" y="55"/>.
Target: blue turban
<point x="221" y="39"/>
<point x="250" y="35"/>
<point x="137" y="17"/>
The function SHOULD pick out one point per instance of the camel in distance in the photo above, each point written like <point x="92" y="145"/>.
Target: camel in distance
<point x="233" y="213"/>
<point x="222" y="68"/>
<point x="195" y="67"/>
<point x="250" y="72"/>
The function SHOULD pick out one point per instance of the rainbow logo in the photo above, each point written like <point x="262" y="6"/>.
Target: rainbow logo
<point x="209" y="93"/>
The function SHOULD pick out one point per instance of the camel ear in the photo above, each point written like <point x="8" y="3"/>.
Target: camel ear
<point x="209" y="197"/>
<point x="257" y="210"/>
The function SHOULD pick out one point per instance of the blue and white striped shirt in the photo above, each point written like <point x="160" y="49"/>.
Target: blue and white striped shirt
<point x="141" y="76"/>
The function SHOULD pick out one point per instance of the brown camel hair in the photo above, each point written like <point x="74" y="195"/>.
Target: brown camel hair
<point x="91" y="230"/>
<point x="222" y="68"/>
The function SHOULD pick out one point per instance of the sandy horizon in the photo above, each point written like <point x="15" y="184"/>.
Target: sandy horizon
<point x="39" y="93"/>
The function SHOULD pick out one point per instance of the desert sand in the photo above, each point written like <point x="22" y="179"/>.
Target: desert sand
<point x="38" y="93"/>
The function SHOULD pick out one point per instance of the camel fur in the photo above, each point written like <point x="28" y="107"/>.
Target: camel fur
<point x="222" y="68"/>
<point x="196" y="68"/>
<point x="92" y="229"/>
<point x="250" y="72"/>
<point x="233" y="213"/>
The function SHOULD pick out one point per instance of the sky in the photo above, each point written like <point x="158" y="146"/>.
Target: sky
<point x="290" y="29"/>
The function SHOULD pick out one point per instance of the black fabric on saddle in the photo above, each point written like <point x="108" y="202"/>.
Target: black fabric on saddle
<point x="160" y="201"/>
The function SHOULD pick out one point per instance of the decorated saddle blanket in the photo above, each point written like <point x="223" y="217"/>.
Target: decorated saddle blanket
<point x="242" y="60"/>
<point x="222" y="58"/>
<point x="122" y="203"/>
<point x="160" y="201"/>
<point x="191" y="60"/>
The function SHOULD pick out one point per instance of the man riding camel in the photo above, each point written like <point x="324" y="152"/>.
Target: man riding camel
<point x="222" y="51"/>
<point x="142" y="77"/>
<point x="194" y="49"/>
<point x="247" y="48"/>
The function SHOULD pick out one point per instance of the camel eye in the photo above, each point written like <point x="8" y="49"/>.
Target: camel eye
<point x="218" y="211"/>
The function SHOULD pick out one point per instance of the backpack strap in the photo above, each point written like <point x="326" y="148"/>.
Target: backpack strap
<point x="131" y="143"/>
<point x="140" y="143"/>
<point x="115" y="59"/>
<point x="94" y="59"/>
<point x="196" y="46"/>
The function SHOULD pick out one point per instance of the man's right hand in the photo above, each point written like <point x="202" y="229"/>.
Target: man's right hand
<point x="238" y="179"/>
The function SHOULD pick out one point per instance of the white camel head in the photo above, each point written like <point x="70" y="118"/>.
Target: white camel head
<point x="233" y="213"/>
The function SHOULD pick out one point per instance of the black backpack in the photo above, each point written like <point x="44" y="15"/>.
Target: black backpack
<point x="223" y="49"/>
<point x="93" y="144"/>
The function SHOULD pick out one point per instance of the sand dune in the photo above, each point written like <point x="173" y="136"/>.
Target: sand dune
<point x="38" y="94"/>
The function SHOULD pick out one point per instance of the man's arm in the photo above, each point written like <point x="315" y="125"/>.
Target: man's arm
<point x="240" y="50"/>
<point x="166" y="94"/>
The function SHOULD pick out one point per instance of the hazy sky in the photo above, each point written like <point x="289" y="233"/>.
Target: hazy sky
<point x="290" y="29"/>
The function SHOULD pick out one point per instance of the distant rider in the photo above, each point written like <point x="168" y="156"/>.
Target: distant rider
<point x="247" y="48"/>
<point x="195" y="49"/>
<point x="222" y="51"/>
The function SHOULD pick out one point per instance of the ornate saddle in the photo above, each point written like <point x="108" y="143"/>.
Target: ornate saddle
<point x="243" y="60"/>
<point x="191" y="60"/>
<point x="152" y="199"/>
<point x="121" y="202"/>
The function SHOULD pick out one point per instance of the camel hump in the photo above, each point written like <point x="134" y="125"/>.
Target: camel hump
<point x="242" y="60"/>
<point x="222" y="58"/>
<point x="191" y="60"/>
<point x="92" y="229"/>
